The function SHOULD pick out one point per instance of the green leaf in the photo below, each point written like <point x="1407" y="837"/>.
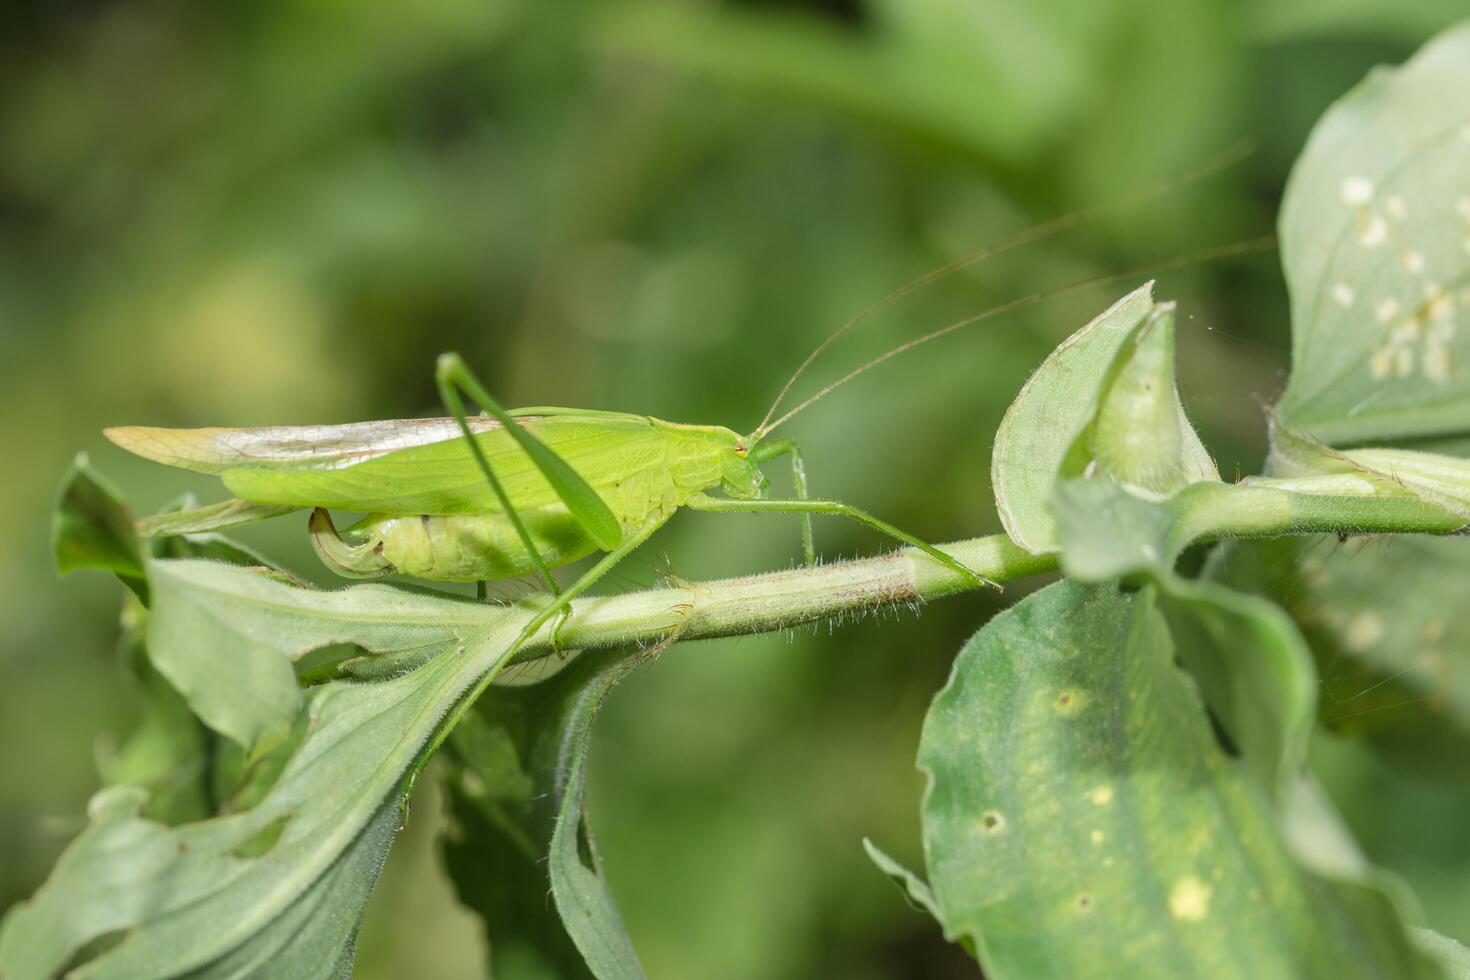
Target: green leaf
<point x="168" y="753"/>
<point x="1141" y="436"/>
<point x="1453" y="957"/>
<point x="915" y="890"/>
<point x="1297" y="461"/>
<point x="1054" y="408"/>
<point x="1082" y="819"/>
<point x="1373" y="232"/>
<point x="1105" y="532"/>
<point x="1254" y="674"/>
<point x="1253" y="671"/>
<point x="517" y="798"/>
<point x="227" y="638"/>
<point x="91" y="528"/>
<point x="283" y="883"/>
<point x="1390" y="630"/>
<point x="1104" y="400"/>
<point x="215" y="517"/>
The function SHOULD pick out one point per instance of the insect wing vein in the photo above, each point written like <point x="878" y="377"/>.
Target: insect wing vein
<point x="442" y="478"/>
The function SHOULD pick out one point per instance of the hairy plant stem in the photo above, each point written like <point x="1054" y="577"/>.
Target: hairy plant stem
<point x="780" y="600"/>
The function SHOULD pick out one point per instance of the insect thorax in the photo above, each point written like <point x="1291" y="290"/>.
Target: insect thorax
<point x="703" y="457"/>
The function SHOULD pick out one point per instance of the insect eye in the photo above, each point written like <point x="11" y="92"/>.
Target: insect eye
<point x="741" y="450"/>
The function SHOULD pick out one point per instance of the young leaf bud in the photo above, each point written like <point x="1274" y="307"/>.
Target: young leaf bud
<point x="1140" y="435"/>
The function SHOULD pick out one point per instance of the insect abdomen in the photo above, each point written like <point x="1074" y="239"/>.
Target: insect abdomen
<point x="452" y="547"/>
<point x="475" y="547"/>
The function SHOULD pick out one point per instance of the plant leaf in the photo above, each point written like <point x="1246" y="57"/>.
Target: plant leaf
<point x="284" y="882"/>
<point x="1253" y="671"/>
<point x="517" y="793"/>
<point x="1081" y="819"/>
<point x="1373" y="231"/>
<point x="1140" y="435"/>
<point x="915" y="890"/>
<point x="1105" y="532"/>
<point x="1082" y="407"/>
<point x="1393" y="658"/>
<point x="91" y="528"/>
<point x="168" y="754"/>
<point x="1452" y="956"/>
<point x="215" y="517"/>
<point x="226" y="638"/>
<point x="1053" y="408"/>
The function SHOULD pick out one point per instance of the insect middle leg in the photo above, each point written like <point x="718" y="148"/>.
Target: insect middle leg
<point x="721" y="505"/>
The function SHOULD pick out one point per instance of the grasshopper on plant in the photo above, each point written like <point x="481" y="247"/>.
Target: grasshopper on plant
<point x="518" y="492"/>
<point x="536" y="488"/>
<point x="479" y="498"/>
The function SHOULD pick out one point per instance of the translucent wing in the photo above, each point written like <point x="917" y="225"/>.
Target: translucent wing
<point x="440" y="477"/>
<point x="286" y="448"/>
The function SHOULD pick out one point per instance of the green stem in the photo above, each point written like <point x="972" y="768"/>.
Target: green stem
<point x="780" y="600"/>
<point x="1218" y="510"/>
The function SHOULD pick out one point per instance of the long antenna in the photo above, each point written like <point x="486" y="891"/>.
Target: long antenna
<point x="1247" y="247"/>
<point x="1226" y="159"/>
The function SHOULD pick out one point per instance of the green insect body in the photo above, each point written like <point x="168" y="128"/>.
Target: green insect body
<point x="643" y="468"/>
<point x="431" y="513"/>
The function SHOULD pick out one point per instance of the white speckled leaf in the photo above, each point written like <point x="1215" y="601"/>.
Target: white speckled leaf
<point x="1375" y="239"/>
<point x="1082" y="819"/>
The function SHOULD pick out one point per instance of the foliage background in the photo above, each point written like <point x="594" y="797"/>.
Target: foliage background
<point x="241" y="214"/>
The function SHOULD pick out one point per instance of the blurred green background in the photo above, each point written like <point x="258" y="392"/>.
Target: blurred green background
<point x="239" y="214"/>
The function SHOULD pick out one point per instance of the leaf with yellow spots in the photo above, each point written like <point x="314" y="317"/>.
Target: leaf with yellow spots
<point x="1123" y="839"/>
<point x="1375" y="240"/>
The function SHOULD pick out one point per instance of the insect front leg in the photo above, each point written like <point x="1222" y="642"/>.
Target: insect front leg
<point x="788" y="447"/>
<point x="836" y="508"/>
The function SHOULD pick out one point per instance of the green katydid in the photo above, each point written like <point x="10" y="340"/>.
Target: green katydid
<point x="474" y="498"/>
